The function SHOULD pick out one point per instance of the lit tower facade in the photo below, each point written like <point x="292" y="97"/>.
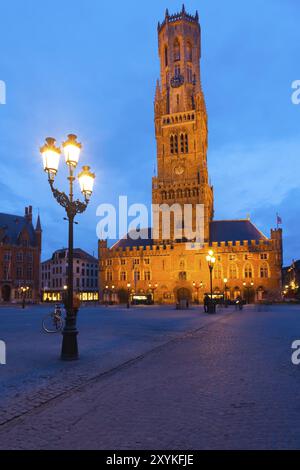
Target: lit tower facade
<point x="181" y="119"/>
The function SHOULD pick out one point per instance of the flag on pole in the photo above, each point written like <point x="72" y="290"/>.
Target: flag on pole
<point x="279" y="220"/>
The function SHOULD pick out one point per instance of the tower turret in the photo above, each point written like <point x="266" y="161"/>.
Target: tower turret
<point x="181" y="118"/>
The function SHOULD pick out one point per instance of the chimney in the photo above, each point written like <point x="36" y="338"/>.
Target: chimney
<point x="28" y="213"/>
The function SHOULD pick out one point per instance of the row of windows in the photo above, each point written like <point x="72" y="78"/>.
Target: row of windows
<point x="136" y="276"/>
<point x="19" y="256"/>
<point x="78" y="282"/>
<point x="182" y="140"/>
<point x="7" y="272"/>
<point x="123" y="262"/>
<point x="48" y="267"/>
<point x="233" y="273"/>
<point x="248" y="271"/>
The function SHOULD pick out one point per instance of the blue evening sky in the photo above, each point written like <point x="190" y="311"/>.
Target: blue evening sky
<point x="90" y="67"/>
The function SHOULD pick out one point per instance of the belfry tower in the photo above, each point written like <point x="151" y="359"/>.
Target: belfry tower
<point x="181" y="118"/>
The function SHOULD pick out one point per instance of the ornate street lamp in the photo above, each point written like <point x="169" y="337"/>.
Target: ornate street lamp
<point x="51" y="157"/>
<point x="211" y="260"/>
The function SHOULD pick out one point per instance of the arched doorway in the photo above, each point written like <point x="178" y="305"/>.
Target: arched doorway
<point x="184" y="294"/>
<point x="6" y="292"/>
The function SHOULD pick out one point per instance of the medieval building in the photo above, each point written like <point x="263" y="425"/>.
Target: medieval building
<point x="20" y="253"/>
<point x="248" y="263"/>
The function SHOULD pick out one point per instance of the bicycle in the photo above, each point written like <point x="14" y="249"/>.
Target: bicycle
<point x="53" y="322"/>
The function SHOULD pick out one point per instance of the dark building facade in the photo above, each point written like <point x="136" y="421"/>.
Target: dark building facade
<point x="20" y="254"/>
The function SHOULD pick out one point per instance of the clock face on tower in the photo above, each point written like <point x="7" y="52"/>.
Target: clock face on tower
<point x="179" y="170"/>
<point x="177" y="81"/>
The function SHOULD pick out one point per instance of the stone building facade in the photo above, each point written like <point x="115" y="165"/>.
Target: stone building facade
<point x="54" y="276"/>
<point x="20" y="254"/>
<point x="248" y="263"/>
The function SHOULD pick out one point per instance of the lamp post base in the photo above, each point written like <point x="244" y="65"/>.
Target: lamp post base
<point x="69" y="350"/>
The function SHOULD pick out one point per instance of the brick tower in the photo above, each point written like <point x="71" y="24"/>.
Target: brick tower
<point x="181" y="118"/>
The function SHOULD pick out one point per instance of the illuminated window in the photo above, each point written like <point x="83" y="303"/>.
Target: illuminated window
<point x="147" y="276"/>
<point x="248" y="272"/>
<point x="123" y="276"/>
<point x="233" y="271"/>
<point x="218" y="272"/>
<point x="109" y="275"/>
<point x="264" y="271"/>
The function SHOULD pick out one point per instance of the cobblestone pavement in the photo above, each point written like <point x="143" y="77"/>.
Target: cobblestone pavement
<point x="226" y="383"/>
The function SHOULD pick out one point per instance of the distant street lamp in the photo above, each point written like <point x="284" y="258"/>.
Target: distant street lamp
<point x="211" y="260"/>
<point x="51" y="157"/>
<point x="225" y="292"/>
<point x="153" y="288"/>
<point x="197" y="287"/>
<point x="128" y="294"/>
<point x="248" y="288"/>
<point x="24" y="290"/>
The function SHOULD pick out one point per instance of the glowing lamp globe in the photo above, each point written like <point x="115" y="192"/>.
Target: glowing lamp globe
<point x="72" y="150"/>
<point x="86" y="181"/>
<point x="51" y="157"/>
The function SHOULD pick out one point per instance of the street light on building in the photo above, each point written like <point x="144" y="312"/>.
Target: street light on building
<point x="211" y="260"/>
<point x="51" y="157"/>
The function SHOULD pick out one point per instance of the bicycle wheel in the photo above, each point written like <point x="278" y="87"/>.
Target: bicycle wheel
<point x="52" y="323"/>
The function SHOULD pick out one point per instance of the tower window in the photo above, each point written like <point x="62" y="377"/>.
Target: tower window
<point x="189" y="74"/>
<point x="184" y="143"/>
<point x="176" y="50"/>
<point x="174" y="144"/>
<point x="189" y="52"/>
<point x="177" y="70"/>
<point x="166" y="57"/>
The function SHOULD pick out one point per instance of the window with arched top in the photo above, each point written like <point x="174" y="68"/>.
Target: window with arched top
<point x="184" y="143"/>
<point x="248" y="271"/>
<point x="189" y="74"/>
<point x="174" y="144"/>
<point x="109" y="276"/>
<point x="233" y="271"/>
<point x="123" y="276"/>
<point x="218" y="271"/>
<point x="189" y="52"/>
<point x="176" y="50"/>
<point x="264" y="271"/>
<point x="182" y="276"/>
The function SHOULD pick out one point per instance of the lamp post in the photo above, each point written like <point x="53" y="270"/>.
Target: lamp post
<point x="51" y="157"/>
<point x="128" y="294"/>
<point x="211" y="260"/>
<point x="248" y="290"/>
<point x="153" y="288"/>
<point x="225" y="292"/>
<point x="24" y="290"/>
<point x="197" y="287"/>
